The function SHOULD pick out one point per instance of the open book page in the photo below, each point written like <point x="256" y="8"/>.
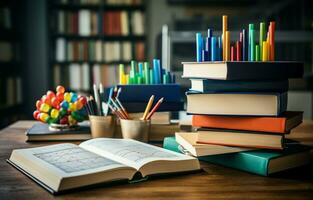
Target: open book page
<point x="130" y="152"/>
<point x="65" y="160"/>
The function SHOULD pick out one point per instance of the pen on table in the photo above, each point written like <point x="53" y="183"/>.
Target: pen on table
<point x="157" y="105"/>
<point x="149" y="104"/>
<point x="97" y="98"/>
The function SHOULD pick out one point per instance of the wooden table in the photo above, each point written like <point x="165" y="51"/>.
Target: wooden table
<point x="214" y="182"/>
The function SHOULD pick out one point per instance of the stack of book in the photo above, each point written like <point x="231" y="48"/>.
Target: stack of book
<point x="239" y="110"/>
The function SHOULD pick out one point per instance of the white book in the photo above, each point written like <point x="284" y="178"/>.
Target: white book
<point x="108" y="51"/>
<point x="75" y="76"/>
<point x="60" y="49"/>
<point x="66" y="166"/>
<point x="85" y="76"/>
<point x="98" y="51"/>
<point x="138" y="23"/>
<point x="96" y="74"/>
<point x="61" y="22"/>
<point x="6" y="51"/>
<point x="84" y="24"/>
<point x="116" y="51"/>
<point x="124" y="23"/>
<point x="126" y="51"/>
<point x="19" y="95"/>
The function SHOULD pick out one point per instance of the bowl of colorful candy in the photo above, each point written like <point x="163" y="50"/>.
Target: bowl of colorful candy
<point x="61" y="109"/>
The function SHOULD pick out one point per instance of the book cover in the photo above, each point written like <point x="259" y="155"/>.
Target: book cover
<point x="256" y="161"/>
<point x="243" y="70"/>
<point x="281" y="124"/>
<point x="41" y="132"/>
<point x="236" y="104"/>
<point x="216" y="86"/>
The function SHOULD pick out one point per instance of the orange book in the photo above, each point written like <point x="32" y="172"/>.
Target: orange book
<point x="282" y="124"/>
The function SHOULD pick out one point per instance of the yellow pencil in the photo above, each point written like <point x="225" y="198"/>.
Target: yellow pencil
<point x="149" y="104"/>
<point x="224" y="36"/>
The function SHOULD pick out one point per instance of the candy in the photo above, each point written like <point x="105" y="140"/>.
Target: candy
<point x="67" y="97"/>
<point x="71" y="120"/>
<point x="64" y="120"/>
<point x="50" y="94"/>
<point x="55" y="102"/>
<point x="65" y="105"/>
<point x="78" y="105"/>
<point x="82" y="99"/>
<point x="38" y="104"/>
<point x="61" y="107"/>
<point x="72" y="107"/>
<point x="60" y="89"/>
<point x="44" y="108"/>
<point x="44" y="117"/>
<point x="73" y="97"/>
<point x="54" y="113"/>
<point x="35" y="114"/>
<point x="60" y="96"/>
<point x="63" y="112"/>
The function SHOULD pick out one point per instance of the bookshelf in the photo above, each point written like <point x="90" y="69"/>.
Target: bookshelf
<point x="89" y="38"/>
<point x="11" y="100"/>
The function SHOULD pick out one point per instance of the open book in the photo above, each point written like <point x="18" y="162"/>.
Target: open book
<point x="66" y="166"/>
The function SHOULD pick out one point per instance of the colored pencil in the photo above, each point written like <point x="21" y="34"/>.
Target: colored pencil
<point x="238" y="51"/>
<point x="213" y="49"/>
<point x="149" y="104"/>
<point x="199" y="43"/>
<point x="272" y="39"/>
<point x="156" y="106"/>
<point x="227" y="46"/>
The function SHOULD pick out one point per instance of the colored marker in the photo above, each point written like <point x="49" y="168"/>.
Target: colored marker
<point x="257" y="53"/>
<point x="213" y="49"/>
<point x="262" y="36"/>
<point x="140" y="69"/>
<point x="227" y="46"/>
<point x="121" y="74"/>
<point x="244" y="45"/>
<point x="272" y="39"/>
<point x="232" y="53"/>
<point x="238" y="51"/>
<point x="205" y="56"/>
<point x="151" y="76"/>
<point x="220" y="49"/>
<point x="156" y="72"/>
<point x="199" y="43"/>
<point x="251" y="42"/>
<point x="264" y="53"/>
<point x="146" y="70"/>
<point x="225" y="19"/>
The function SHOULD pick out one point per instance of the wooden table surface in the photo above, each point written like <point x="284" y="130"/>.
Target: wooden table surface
<point x="214" y="182"/>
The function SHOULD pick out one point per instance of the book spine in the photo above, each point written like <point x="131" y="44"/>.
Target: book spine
<point x="240" y="160"/>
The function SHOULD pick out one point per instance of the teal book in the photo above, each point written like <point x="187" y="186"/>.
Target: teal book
<point x="261" y="162"/>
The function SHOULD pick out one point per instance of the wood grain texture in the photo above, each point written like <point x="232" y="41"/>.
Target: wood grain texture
<point x="215" y="182"/>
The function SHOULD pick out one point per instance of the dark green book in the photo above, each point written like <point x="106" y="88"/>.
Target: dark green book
<point x="212" y="86"/>
<point x="261" y="162"/>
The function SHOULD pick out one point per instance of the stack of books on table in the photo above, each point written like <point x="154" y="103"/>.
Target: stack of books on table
<point x="239" y="110"/>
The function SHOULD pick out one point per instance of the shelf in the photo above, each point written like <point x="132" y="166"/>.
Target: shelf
<point x="9" y="68"/>
<point x="98" y="7"/>
<point x="92" y="62"/>
<point x="102" y="37"/>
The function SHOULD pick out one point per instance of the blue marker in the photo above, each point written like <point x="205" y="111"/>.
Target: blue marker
<point x="219" y="49"/>
<point x="199" y="47"/>
<point x="156" y="71"/>
<point x="140" y="66"/>
<point x="205" y="56"/>
<point x="213" y="49"/>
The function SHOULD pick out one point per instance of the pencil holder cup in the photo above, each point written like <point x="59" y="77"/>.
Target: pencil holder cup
<point x="102" y="126"/>
<point x="135" y="129"/>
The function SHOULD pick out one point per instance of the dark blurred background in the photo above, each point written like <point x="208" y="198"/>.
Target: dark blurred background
<point x="44" y="43"/>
